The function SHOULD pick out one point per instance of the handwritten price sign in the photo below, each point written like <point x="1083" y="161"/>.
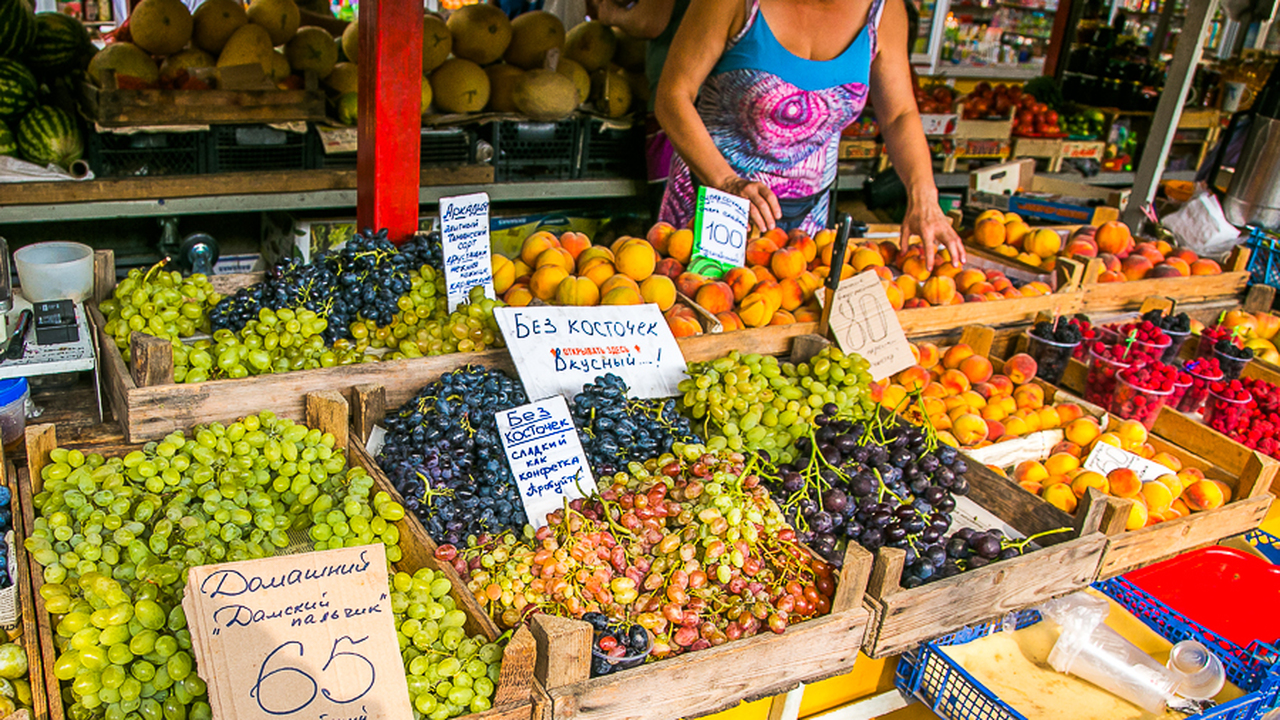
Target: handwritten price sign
<point x="307" y="636"/>
<point x="1106" y="458"/>
<point x="864" y="322"/>
<point x="720" y="228"/>
<point x="545" y="455"/>
<point x="468" y="259"/>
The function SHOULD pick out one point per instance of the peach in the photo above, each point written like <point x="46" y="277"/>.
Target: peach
<point x="793" y="295"/>
<point x="730" y="321"/>
<point x="618" y="280"/>
<point x="1002" y="384"/>
<point x="995" y="430"/>
<point x="681" y="325"/>
<point x="894" y="295"/>
<point x="808" y="312"/>
<point x="504" y="273"/>
<point x="1088" y="479"/>
<point x="659" y="236"/>
<point x="623" y="295"/>
<point x="915" y="267"/>
<point x="1114" y="237"/>
<point x="929" y="355"/>
<point x="1030" y="470"/>
<point x="969" y="429"/>
<point x="1148" y="250"/>
<point x="546" y="280"/>
<point x="1175" y="482"/>
<point x="1021" y="368"/>
<point x="977" y="368"/>
<point x="939" y="291"/>
<point x="1136" y="267"/>
<point x="1061" y="496"/>
<point x="782" y="317"/>
<point x="994" y="411"/>
<point x="671" y="268"/>
<point x="1061" y="463"/>
<point x="967" y="279"/>
<point x="1205" y="266"/>
<point x="908" y="286"/>
<point x="1157" y="495"/>
<point x="1225" y="488"/>
<point x="1015" y="426"/>
<point x="575" y="243"/>
<point x="865" y="258"/>
<point x="993" y="214"/>
<point x="598" y="270"/>
<point x="913" y="303"/>
<point x="770" y="291"/>
<point x="518" y="296"/>
<point x="1032" y="487"/>
<point x="556" y="256"/>
<point x="1168" y="461"/>
<point x="1131" y="433"/>
<point x="754" y="310"/>
<point x="575" y="290"/>
<point x="522" y="270"/>
<point x="787" y="262"/>
<point x="1029" y="397"/>
<point x="1068" y="448"/>
<point x="955" y="355"/>
<point x="807" y="247"/>
<point x="942" y="266"/>
<point x="1138" y="517"/>
<point x="535" y="245"/>
<point x="1068" y="412"/>
<point x="715" y="296"/>
<point x="1049" y="418"/>
<point x="660" y="290"/>
<point x="1081" y="247"/>
<point x="1110" y="262"/>
<point x="989" y="233"/>
<point x="741" y="280"/>
<point x="689" y="283"/>
<point x="618" y="242"/>
<point x="1172" y="267"/>
<point x="1124" y="482"/>
<point x="759" y="251"/>
<point x="1015" y="233"/>
<point x="894" y="397"/>
<point x="1083" y="431"/>
<point x="955" y="381"/>
<point x="1044" y="243"/>
<point x="636" y="260"/>
<point x="1268" y="325"/>
<point x="680" y="245"/>
<point x="1111" y="276"/>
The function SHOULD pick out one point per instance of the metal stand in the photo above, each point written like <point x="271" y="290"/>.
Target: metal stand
<point x="1165" y="123"/>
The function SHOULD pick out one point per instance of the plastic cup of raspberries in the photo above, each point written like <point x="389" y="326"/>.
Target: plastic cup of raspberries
<point x="1104" y="363"/>
<point x="1204" y="373"/>
<point x="1141" y="392"/>
<point x="1209" y="338"/>
<point x="1231" y="358"/>
<point x="1180" y="387"/>
<point x="1227" y="406"/>
<point x="1176" y="340"/>
<point x="1052" y="349"/>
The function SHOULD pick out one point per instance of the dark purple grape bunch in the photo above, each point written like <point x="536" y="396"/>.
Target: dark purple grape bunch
<point x="372" y="276"/>
<point x="616" y="646"/>
<point x="616" y="430"/>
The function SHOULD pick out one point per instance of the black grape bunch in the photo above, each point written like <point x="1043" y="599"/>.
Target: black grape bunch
<point x="616" y="430"/>
<point x="371" y="276"/>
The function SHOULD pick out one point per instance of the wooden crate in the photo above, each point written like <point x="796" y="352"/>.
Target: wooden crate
<point x="852" y="149"/>
<point x="1055" y="150"/>
<point x="1129" y="295"/>
<point x="1019" y="311"/>
<point x="28" y="630"/>
<point x="110" y="106"/>
<point x="327" y="411"/>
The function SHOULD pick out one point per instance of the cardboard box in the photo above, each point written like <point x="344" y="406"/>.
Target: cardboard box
<point x="940" y="124"/>
<point x="1015" y="187"/>
<point x="859" y="149"/>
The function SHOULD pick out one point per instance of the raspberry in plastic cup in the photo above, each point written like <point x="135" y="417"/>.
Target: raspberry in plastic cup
<point x="1176" y="341"/>
<point x="1231" y="366"/>
<point x="1180" y="389"/>
<point x="1223" y="413"/>
<point x="1101" y="383"/>
<point x="1201" y="380"/>
<point x="1051" y="357"/>
<point x="1134" y="403"/>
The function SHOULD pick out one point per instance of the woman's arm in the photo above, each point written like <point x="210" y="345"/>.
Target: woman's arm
<point x="698" y="45"/>
<point x="646" y="19"/>
<point x="895" y="105"/>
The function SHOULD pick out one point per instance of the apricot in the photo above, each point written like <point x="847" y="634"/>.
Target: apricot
<point x="729" y="321"/>
<point x="1061" y="464"/>
<point x="659" y="236"/>
<point x="1021" y="368"/>
<point x="1083" y="431"/>
<point x="715" y="296"/>
<point x="1138" y="517"/>
<point x="518" y="296"/>
<point x="1088" y="479"/>
<point x="504" y="273"/>
<point x="989" y="233"/>
<point x="741" y="280"/>
<point x="969" y="429"/>
<point x="535" y="245"/>
<point x="575" y="290"/>
<point x="546" y="280"/>
<point x="556" y="256"/>
<point x="636" y="260"/>
<point x="1061" y="496"/>
<point x="624" y="295"/>
<point x="955" y="355"/>
<point x="787" y="262"/>
<point x="659" y="290"/>
<point x="689" y="283"/>
<point x="670" y="267"/>
<point x="928" y="354"/>
<point x="680" y="246"/>
<point x="616" y="281"/>
<point x="1158" y="496"/>
<point x="575" y="243"/>
<point x="1029" y="397"/>
<point x="1124" y="482"/>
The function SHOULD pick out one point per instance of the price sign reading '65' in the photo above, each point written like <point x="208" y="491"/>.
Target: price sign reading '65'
<point x="720" y="229"/>
<point x="864" y="322"/>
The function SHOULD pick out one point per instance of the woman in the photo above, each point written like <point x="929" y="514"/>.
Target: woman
<point x="756" y="93"/>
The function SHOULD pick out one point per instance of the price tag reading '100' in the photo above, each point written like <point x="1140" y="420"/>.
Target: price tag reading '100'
<point x="864" y="322"/>
<point x="721" y="227"/>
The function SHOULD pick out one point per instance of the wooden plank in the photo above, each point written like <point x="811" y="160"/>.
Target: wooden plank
<point x="244" y="183"/>
<point x="30" y="625"/>
<point x="804" y="347"/>
<point x="328" y="412"/>
<point x="1138" y="548"/>
<point x="1196" y="288"/>
<point x="922" y="321"/>
<point x="368" y="407"/>
<point x="152" y="360"/>
<point x="104" y="274"/>
<point x="48" y="652"/>
<point x="515" y="677"/>
<point x="1260" y="298"/>
<point x="565" y="646"/>
<point x="978" y="338"/>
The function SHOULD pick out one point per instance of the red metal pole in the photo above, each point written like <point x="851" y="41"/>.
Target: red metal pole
<point x="388" y="161"/>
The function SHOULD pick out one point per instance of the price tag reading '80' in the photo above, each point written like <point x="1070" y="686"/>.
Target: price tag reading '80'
<point x="864" y="322"/>
<point x="720" y="229"/>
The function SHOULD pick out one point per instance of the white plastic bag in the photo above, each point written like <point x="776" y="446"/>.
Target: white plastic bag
<point x="1201" y="226"/>
<point x="14" y="170"/>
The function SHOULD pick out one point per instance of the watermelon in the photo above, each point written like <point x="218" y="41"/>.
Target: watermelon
<point x="8" y="146"/>
<point x="61" y="44"/>
<point x="49" y="136"/>
<point x="17" y="89"/>
<point x="17" y="28"/>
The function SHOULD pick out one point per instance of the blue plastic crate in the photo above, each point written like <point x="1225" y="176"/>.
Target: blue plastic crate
<point x="1265" y="543"/>
<point x="950" y="692"/>
<point x="1264" y="257"/>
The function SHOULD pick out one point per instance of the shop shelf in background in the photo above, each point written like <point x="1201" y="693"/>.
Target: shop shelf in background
<point x="529" y="151"/>
<point x="612" y="148"/>
<point x="147" y="154"/>
<point x="249" y="148"/>
<point x="108" y="105"/>
<point x="335" y="148"/>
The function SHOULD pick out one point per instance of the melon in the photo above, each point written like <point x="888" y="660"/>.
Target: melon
<point x="61" y="45"/>
<point x="125" y="59"/>
<point x="545" y="95"/>
<point x="426" y="97"/>
<point x="17" y="28"/>
<point x="250" y="44"/>
<point x="532" y="35"/>
<point x="280" y="18"/>
<point x="610" y="92"/>
<point x="215" y="21"/>
<point x="347" y="108"/>
<point x="312" y="49"/>
<point x="49" y="136"/>
<point x="18" y="89"/>
<point x="8" y="144"/>
<point x="460" y="86"/>
<point x="160" y="27"/>
<point x="502" y="86"/>
<point x="185" y="60"/>
<point x="581" y="79"/>
<point x="591" y="44"/>
<point x="344" y="78"/>
<point x="437" y="42"/>
<point x="351" y="41"/>
<point x="481" y="33"/>
<point x="280" y="68"/>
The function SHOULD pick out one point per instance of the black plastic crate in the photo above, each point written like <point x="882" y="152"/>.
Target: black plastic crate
<point x="611" y="152"/>
<point x="526" y="150"/>
<point x="241" y="148"/>
<point x="147" y="154"/>
<point x="440" y="147"/>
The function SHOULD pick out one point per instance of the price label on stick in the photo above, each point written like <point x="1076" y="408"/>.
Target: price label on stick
<point x="720" y="231"/>
<point x="864" y="322"/>
<point x="464" y="232"/>
<point x="557" y="350"/>
<point x="306" y="637"/>
<point x="545" y="455"/>
<point x="1104" y="458"/>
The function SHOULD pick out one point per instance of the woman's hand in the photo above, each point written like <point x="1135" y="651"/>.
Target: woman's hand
<point x="925" y="220"/>
<point x="764" y="208"/>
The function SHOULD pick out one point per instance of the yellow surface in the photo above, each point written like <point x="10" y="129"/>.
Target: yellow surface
<point x="758" y="710"/>
<point x="1272" y="523"/>
<point x="868" y="677"/>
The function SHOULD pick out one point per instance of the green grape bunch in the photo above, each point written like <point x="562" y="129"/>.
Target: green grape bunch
<point x="160" y="303"/>
<point x="424" y="327"/>
<point x="448" y="673"/>
<point x="115" y="537"/>
<point x="754" y="402"/>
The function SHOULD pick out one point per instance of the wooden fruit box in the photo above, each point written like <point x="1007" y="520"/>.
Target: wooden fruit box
<point x="110" y="106"/>
<point x="1249" y="474"/>
<point x="1017" y="311"/>
<point x="1229" y="285"/>
<point x="689" y="685"/>
<point x="327" y="411"/>
<point x="28" y="631"/>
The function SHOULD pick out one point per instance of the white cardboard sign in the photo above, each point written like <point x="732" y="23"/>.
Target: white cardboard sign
<point x="468" y="259"/>
<point x="298" y="637"/>
<point x="1104" y="458"/>
<point x="545" y="455"/>
<point x="557" y="350"/>
<point x="864" y="322"/>
<point x="721" y="226"/>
